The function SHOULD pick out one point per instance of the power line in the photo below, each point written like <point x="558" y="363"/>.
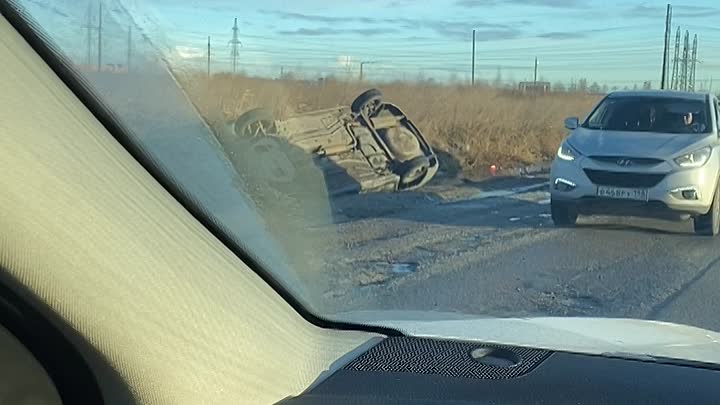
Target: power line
<point x="326" y="69"/>
<point x="444" y="68"/>
<point x="625" y="56"/>
<point x="458" y="67"/>
<point x="399" y="54"/>
<point x="403" y="43"/>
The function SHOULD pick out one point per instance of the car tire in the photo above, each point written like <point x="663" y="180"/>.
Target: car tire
<point x="286" y="178"/>
<point x="284" y="181"/>
<point x="413" y="171"/>
<point x="253" y="123"/>
<point x="709" y="224"/>
<point x="563" y="214"/>
<point x="367" y="103"/>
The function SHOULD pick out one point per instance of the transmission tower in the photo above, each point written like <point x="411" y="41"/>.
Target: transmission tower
<point x="676" y="60"/>
<point x="693" y="63"/>
<point x="684" y="63"/>
<point x="235" y="44"/>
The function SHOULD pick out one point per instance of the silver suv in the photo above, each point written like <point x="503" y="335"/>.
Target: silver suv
<point x="641" y="153"/>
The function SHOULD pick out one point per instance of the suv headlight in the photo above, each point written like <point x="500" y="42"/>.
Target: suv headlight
<point x="694" y="159"/>
<point x="565" y="152"/>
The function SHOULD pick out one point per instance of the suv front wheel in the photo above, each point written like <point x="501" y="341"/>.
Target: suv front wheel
<point x="563" y="214"/>
<point x="709" y="224"/>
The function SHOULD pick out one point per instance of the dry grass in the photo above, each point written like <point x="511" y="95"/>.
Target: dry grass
<point x="476" y="126"/>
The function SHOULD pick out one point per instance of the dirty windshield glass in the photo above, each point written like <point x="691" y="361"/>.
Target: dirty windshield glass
<point x="380" y="157"/>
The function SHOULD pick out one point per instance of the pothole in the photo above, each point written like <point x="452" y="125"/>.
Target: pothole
<point x="380" y="272"/>
<point x="403" y="268"/>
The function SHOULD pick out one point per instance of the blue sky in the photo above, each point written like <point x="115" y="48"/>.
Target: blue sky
<point x="612" y="42"/>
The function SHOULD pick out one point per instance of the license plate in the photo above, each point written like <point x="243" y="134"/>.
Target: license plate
<point x="638" y="194"/>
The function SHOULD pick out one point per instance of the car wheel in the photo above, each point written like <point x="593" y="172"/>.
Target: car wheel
<point x="284" y="181"/>
<point x="709" y="224"/>
<point x="413" y="171"/>
<point x="367" y="103"/>
<point x="563" y="214"/>
<point x="257" y="122"/>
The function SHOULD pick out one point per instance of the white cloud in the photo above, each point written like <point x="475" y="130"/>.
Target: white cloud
<point x="189" y="52"/>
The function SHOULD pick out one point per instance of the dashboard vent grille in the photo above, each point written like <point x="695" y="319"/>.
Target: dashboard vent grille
<point x="447" y="358"/>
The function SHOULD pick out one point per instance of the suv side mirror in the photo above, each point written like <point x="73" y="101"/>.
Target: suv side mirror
<point x="572" y="123"/>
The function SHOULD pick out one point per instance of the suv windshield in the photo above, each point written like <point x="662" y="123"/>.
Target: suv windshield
<point x="651" y="114"/>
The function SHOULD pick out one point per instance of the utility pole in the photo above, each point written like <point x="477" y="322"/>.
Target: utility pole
<point x="666" y="48"/>
<point x="234" y="43"/>
<point x="208" y="59"/>
<point x="99" y="62"/>
<point x="129" y="47"/>
<point x="472" y="76"/>
<point x="536" y="71"/>
<point x="676" y="60"/>
<point x="363" y="63"/>
<point x="90" y="27"/>
<point x="684" y="65"/>
<point x="691" y="81"/>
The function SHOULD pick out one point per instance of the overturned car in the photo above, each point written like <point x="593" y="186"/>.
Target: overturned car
<point x="369" y="146"/>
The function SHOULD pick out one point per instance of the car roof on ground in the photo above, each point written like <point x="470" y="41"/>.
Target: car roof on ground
<point x="685" y="95"/>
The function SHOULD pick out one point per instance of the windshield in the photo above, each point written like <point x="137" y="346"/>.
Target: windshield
<point x="376" y="156"/>
<point x="651" y="114"/>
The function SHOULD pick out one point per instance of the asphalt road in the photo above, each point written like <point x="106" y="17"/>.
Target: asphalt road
<point x="500" y="255"/>
<point x="486" y="248"/>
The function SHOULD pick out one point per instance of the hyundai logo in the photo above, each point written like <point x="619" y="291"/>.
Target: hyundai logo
<point x="624" y="162"/>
